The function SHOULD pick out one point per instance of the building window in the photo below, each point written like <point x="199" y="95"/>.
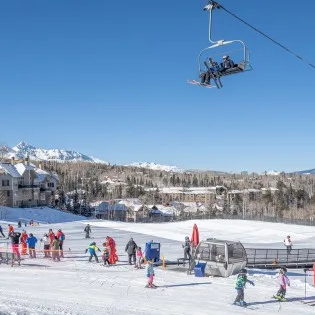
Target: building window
<point x="5" y="182"/>
<point x="51" y="185"/>
<point x="8" y="193"/>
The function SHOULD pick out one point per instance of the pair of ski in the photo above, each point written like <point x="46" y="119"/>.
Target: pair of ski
<point x="151" y="287"/>
<point x="280" y="299"/>
<point x="214" y="75"/>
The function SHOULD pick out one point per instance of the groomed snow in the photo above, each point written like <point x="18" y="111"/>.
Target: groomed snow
<point x="75" y="286"/>
<point x="39" y="215"/>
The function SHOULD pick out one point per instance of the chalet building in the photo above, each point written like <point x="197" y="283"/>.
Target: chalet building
<point x="24" y="185"/>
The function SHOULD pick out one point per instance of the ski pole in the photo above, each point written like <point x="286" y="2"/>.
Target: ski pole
<point x="305" y="282"/>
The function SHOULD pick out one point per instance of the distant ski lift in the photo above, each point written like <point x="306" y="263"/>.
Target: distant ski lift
<point x="214" y="62"/>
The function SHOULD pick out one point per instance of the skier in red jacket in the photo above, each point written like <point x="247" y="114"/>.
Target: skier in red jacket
<point x="23" y="240"/>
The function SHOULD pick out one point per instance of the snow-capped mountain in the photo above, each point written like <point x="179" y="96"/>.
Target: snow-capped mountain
<point x="156" y="167"/>
<point x="312" y="171"/>
<point x="273" y="173"/>
<point x="23" y="149"/>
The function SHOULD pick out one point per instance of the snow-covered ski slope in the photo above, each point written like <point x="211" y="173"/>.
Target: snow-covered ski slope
<point x="75" y="286"/>
<point x="39" y="215"/>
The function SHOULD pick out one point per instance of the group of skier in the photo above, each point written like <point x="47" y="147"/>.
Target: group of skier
<point x="53" y="243"/>
<point x="134" y="252"/>
<point x="241" y="280"/>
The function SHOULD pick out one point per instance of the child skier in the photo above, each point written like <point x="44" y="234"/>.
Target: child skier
<point x="105" y="255"/>
<point x="150" y="275"/>
<point x="240" y="285"/>
<point x="139" y="255"/>
<point x="283" y="281"/>
<point x="92" y="248"/>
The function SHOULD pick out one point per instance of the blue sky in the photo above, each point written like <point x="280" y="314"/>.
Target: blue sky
<point x="109" y="79"/>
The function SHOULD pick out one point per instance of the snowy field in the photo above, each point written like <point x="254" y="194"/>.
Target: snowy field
<point x="75" y="286"/>
<point x="39" y="215"/>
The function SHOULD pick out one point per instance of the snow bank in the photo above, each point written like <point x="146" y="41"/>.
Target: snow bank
<point x="41" y="215"/>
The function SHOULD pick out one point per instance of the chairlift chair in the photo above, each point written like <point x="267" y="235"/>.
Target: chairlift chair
<point x="242" y="66"/>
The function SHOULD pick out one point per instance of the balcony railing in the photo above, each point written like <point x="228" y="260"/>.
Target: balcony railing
<point x="28" y="186"/>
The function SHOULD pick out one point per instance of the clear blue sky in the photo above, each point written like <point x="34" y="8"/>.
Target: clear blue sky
<point x="109" y="79"/>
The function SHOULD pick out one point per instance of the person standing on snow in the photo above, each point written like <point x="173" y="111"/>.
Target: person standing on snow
<point x="23" y="239"/>
<point x="186" y="247"/>
<point x="31" y="241"/>
<point x="139" y="255"/>
<point x="15" y="240"/>
<point x="46" y="242"/>
<point x="54" y="246"/>
<point x="150" y="275"/>
<point x="240" y="286"/>
<point x="130" y="248"/>
<point x="283" y="281"/>
<point x="1" y="231"/>
<point x="112" y="245"/>
<point x="92" y="249"/>
<point x="288" y="244"/>
<point x="105" y="255"/>
<point x="87" y="231"/>
<point x="61" y="237"/>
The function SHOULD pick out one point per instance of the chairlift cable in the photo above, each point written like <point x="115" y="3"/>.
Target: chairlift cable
<point x="265" y="35"/>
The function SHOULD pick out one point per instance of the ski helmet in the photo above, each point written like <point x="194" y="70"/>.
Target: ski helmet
<point x="283" y="269"/>
<point x="244" y="271"/>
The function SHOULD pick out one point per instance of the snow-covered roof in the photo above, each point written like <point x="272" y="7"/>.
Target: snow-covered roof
<point x="42" y="175"/>
<point x="133" y="203"/>
<point x="21" y="168"/>
<point x="10" y="169"/>
<point x="164" y="210"/>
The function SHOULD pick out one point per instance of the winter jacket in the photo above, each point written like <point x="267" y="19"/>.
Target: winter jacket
<point x="283" y="280"/>
<point x="186" y="245"/>
<point x="51" y="236"/>
<point x="24" y="237"/>
<point x="241" y="281"/>
<point x="131" y="247"/>
<point x="149" y="270"/>
<point x="15" y="238"/>
<point x="106" y="253"/>
<point x="61" y="237"/>
<point x="55" y="244"/>
<point x="46" y="240"/>
<point x="139" y="253"/>
<point x="92" y="249"/>
<point x="31" y="241"/>
<point x="1" y="230"/>
<point x="287" y="242"/>
<point x="228" y="63"/>
<point x="87" y="229"/>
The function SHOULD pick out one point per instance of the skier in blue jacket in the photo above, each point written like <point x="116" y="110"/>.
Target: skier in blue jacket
<point x="31" y="241"/>
<point x="92" y="249"/>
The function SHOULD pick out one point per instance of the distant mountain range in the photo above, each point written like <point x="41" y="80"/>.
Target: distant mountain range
<point x="157" y="167"/>
<point x="23" y="150"/>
